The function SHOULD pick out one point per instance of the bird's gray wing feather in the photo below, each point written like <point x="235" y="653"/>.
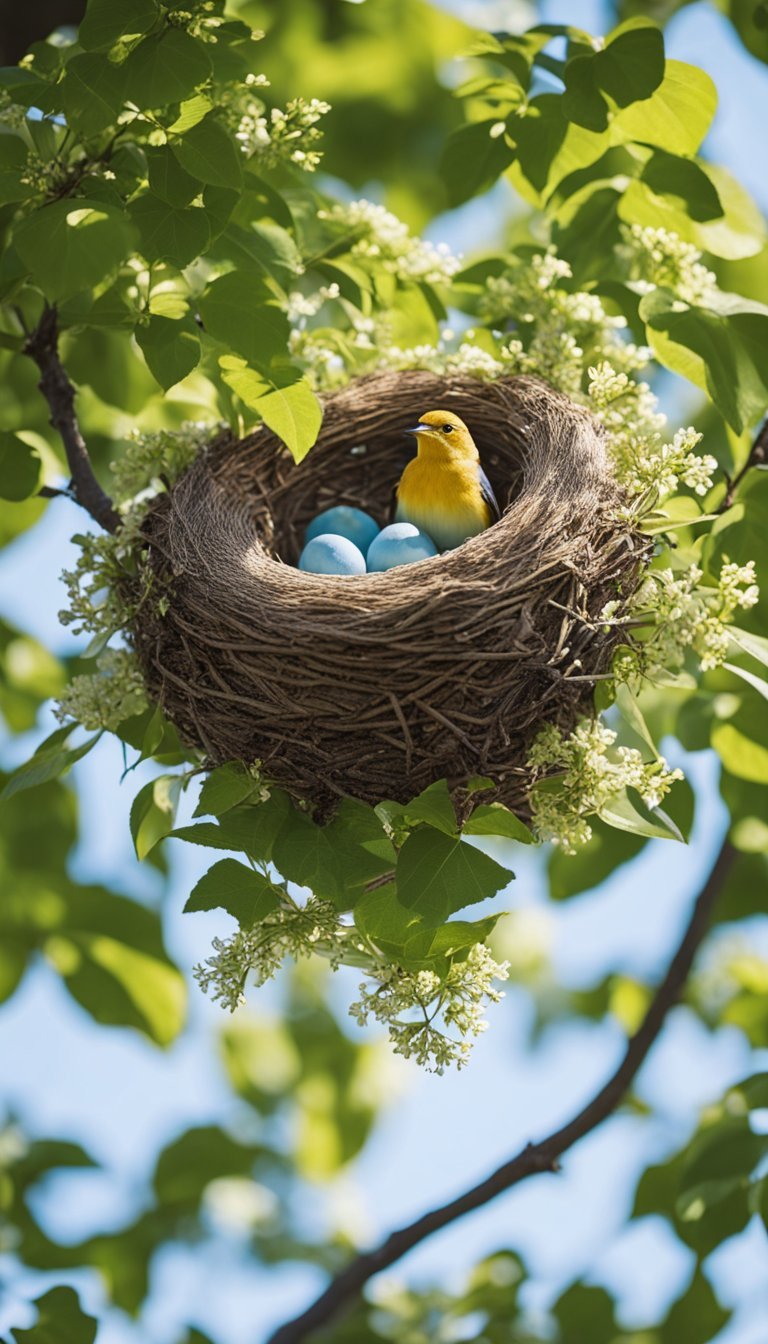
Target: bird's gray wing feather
<point x="486" y="490"/>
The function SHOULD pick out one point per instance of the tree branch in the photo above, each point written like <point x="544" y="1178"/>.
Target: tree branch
<point x="535" y="1157"/>
<point x="42" y="347"/>
<point x="758" y="456"/>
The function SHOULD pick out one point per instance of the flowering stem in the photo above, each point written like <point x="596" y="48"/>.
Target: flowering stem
<point x="42" y="347"/>
<point x="534" y="1157"/>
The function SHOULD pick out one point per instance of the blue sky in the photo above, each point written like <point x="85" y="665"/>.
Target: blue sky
<point x="121" y="1097"/>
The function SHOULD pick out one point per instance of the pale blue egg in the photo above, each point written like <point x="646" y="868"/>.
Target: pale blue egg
<point x="398" y="544"/>
<point x="331" y="554"/>
<point x="344" y="521"/>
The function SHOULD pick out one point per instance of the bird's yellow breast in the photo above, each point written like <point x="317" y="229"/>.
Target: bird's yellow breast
<point x="443" y="499"/>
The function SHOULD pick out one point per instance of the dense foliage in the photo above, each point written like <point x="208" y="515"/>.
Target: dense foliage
<point x="171" y="205"/>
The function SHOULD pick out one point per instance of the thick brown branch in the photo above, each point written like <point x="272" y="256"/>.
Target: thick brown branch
<point x="535" y="1157"/>
<point x="42" y="347"/>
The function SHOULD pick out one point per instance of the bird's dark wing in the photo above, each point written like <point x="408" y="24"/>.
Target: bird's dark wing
<point x="486" y="490"/>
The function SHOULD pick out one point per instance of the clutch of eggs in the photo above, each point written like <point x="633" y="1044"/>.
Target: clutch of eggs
<point x="346" y="540"/>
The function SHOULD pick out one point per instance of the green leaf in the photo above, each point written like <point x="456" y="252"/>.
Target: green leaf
<point x="60" y="1320"/>
<point x="268" y="247"/>
<point x="702" y="203"/>
<point x="496" y="819"/>
<point x="628" y="68"/>
<point x="168" y="232"/>
<point x="677" y="115"/>
<point x="168" y="180"/>
<point x="363" y="849"/>
<point x="209" y="153"/>
<point x="231" y="886"/>
<point x="171" y="348"/>
<point x="121" y="985"/>
<point x="437" y="875"/>
<point x="741" y="756"/>
<point x="224" y="788"/>
<point x="252" y="829"/>
<point x="728" y="336"/>
<point x="165" y="69"/>
<point x="549" y="148"/>
<point x="433" y="806"/>
<point x="631" y="64"/>
<point x="72" y="245"/>
<point x="753" y="1091"/>
<point x="239" y="310"/>
<point x="92" y="92"/>
<point x="50" y="760"/>
<point x="379" y="915"/>
<point x="697" y="1317"/>
<point x="264" y="201"/>
<point x="153" y="812"/>
<point x="757" y="683"/>
<point x="286" y="403"/>
<point x="106" y="23"/>
<point x="756" y="645"/>
<point x="593" y="863"/>
<point x="19" y="468"/>
<point x="474" y="157"/>
<point x="304" y="854"/>
<point x="638" y="819"/>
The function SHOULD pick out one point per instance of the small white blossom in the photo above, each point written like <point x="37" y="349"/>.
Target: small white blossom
<point x="385" y="238"/>
<point x="659" y="257"/>
<point x="106" y="698"/>
<point x="683" y="614"/>
<point x="590" y="771"/>
<point x="431" y="1004"/>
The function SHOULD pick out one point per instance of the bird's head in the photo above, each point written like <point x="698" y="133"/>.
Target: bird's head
<point x="444" y="433"/>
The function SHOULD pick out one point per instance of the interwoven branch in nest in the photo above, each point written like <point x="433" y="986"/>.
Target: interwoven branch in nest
<point x="377" y="685"/>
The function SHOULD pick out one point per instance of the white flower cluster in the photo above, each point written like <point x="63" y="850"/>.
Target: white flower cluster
<point x="563" y="330"/>
<point x="301" y="306"/>
<point x="96" y="586"/>
<point x="468" y="359"/>
<point x="12" y="116"/>
<point x="291" y="930"/>
<point x="385" y="238"/>
<point x="584" y="772"/>
<point x="155" y="458"/>
<point x="455" y="1001"/>
<point x="106" y="698"/>
<point x="200" y="21"/>
<point x="644" y="461"/>
<point x="289" y="134"/>
<point x="430" y="1018"/>
<point x="686" y="615"/>
<point x="658" y="257"/>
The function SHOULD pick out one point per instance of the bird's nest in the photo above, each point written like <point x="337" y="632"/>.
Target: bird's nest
<point x="375" y="686"/>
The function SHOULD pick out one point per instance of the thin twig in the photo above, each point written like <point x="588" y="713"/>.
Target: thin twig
<point x="758" y="455"/>
<point x="535" y="1157"/>
<point x="42" y="347"/>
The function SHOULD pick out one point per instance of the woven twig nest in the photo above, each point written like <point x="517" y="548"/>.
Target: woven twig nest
<point x="374" y="686"/>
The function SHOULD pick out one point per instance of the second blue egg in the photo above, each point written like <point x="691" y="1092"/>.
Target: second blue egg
<point x="344" y="521"/>
<point x="398" y="544"/>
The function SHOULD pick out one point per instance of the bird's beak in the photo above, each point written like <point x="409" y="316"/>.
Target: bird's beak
<point x="417" y="429"/>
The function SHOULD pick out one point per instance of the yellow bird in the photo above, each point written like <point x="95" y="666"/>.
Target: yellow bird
<point x="444" y="490"/>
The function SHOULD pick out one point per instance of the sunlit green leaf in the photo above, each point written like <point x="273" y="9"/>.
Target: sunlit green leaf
<point x="437" y="875"/>
<point x="229" y="885"/>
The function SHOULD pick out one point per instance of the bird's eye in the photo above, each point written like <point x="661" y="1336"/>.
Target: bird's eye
<point x="447" y="429"/>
